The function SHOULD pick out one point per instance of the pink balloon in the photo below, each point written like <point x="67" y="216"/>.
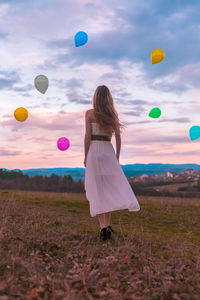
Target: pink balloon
<point x="63" y="143"/>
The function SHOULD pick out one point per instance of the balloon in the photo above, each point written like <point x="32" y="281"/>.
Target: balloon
<point x="157" y="55"/>
<point x="194" y="132"/>
<point x="41" y="83"/>
<point x="155" y="112"/>
<point x="80" y="38"/>
<point x="63" y="143"/>
<point x="21" y="114"/>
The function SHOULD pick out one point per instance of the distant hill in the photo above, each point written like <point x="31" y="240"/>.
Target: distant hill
<point x="129" y="170"/>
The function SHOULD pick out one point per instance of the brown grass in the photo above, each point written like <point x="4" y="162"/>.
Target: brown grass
<point x="50" y="249"/>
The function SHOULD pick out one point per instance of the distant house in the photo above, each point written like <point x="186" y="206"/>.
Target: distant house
<point x="189" y="172"/>
<point x="169" y="174"/>
<point x="144" y="176"/>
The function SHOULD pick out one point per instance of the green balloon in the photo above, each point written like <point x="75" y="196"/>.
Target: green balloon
<point x="155" y="112"/>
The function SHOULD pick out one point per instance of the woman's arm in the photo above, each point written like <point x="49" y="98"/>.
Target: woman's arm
<point x="118" y="143"/>
<point x="88" y="132"/>
<point x="87" y="145"/>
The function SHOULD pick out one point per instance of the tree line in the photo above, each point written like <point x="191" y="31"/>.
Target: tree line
<point x="55" y="183"/>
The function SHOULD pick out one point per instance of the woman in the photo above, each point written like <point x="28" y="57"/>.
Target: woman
<point x="107" y="188"/>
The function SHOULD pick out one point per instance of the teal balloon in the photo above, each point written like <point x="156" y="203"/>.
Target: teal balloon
<point x="80" y="38"/>
<point x="194" y="132"/>
<point x="155" y="112"/>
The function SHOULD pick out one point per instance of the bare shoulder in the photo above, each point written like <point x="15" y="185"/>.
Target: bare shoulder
<point x="89" y="111"/>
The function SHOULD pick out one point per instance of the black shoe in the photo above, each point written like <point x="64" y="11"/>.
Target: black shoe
<point x="103" y="234"/>
<point x="109" y="229"/>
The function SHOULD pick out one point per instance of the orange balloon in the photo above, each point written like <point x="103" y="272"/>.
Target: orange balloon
<point x="157" y="55"/>
<point x="21" y="114"/>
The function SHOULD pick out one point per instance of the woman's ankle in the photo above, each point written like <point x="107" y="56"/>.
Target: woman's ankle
<point x="102" y="227"/>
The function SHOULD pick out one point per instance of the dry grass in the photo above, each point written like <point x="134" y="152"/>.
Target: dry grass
<point x="50" y="249"/>
<point x="173" y="187"/>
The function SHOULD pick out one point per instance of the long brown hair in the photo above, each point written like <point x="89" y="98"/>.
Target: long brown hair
<point x="104" y="111"/>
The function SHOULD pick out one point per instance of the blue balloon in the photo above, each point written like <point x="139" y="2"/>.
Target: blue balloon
<point x="194" y="132"/>
<point x="80" y="38"/>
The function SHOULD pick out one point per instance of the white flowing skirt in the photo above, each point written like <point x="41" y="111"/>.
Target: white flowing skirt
<point x="107" y="188"/>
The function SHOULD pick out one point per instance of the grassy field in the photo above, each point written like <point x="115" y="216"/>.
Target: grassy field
<point x="50" y="249"/>
<point x="174" y="186"/>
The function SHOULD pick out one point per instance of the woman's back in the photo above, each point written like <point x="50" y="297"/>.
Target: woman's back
<point x="96" y="130"/>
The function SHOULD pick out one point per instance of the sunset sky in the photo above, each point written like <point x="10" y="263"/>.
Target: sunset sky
<point x="37" y="37"/>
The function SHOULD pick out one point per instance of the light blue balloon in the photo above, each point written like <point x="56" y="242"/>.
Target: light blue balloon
<point x="194" y="132"/>
<point x="80" y="38"/>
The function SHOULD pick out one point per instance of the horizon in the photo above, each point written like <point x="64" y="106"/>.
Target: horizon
<point x="121" y="37"/>
<point x="120" y="164"/>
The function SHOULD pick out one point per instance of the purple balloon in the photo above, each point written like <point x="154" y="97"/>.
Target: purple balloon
<point x="63" y="143"/>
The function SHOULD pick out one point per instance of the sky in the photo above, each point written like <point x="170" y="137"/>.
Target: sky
<point x="37" y="37"/>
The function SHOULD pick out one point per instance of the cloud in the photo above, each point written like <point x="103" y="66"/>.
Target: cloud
<point x="164" y="120"/>
<point x="182" y="78"/>
<point x="4" y="7"/>
<point x="89" y="4"/>
<point x="178" y="120"/>
<point x="68" y="84"/>
<point x="6" y="83"/>
<point x="70" y="121"/>
<point x="141" y="152"/>
<point x="79" y="99"/>
<point x="160" y="139"/>
<point x="137" y="102"/>
<point x="25" y="88"/>
<point x="133" y="113"/>
<point x="14" y="1"/>
<point x="9" y="153"/>
<point x="3" y="35"/>
<point x="8" y="79"/>
<point x="176" y="32"/>
<point x="60" y="43"/>
<point x="110" y="75"/>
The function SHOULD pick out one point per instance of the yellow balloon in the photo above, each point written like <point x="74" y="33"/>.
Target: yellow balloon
<point x="157" y="55"/>
<point x="21" y="114"/>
